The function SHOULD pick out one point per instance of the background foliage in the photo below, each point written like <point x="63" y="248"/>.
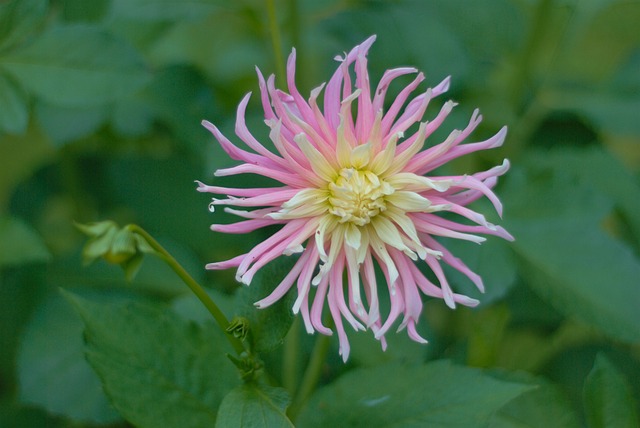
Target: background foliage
<point x="100" y="110"/>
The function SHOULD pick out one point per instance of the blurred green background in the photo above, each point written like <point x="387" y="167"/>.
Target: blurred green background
<point x="100" y="110"/>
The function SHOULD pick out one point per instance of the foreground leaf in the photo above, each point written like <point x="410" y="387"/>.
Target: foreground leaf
<point x="524" y="411"/>
<point x="438" y="394"/>
<point x="157" y="369"/>
<point x="254" y="406"/>
<point x="52" y="370"/>
<point x="607" y="397"/>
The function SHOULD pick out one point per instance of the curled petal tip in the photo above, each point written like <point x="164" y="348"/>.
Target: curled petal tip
<point x="209" y="126"/>
<point x="442" y="87"/>
<point x="499" y="138"/>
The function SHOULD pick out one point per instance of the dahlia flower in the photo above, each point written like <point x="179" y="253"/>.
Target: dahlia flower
<point x="355" y="194"/>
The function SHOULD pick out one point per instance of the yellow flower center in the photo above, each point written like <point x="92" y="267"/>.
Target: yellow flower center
<point x="356" y="196"/>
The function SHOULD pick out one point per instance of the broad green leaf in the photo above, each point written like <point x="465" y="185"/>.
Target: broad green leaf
<point x="20" y="244"/>
<point x="165" y="10"/>
<point x="52" y="370"/>
<point x="254" y="406"/>
<point x="14" y="113"/>
<point x="566" y="255"/>
<point x="526" y="410"/>
<point x="20" y="18"/>
<point x="607" y="397"/>
<point x="65" y="124"/>
<point x="438" y="394"/>
<point x="268" y="326"/>
<point x="133" y="116"/>
<point x="77" y="65"/>
<point x="157" y="369"/>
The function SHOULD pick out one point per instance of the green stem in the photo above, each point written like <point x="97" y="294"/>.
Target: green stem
<point x="522" y="73"/>
<point x="276" y="40"/>
<point x="311" y="375"/>
<point x="196" y="288"/>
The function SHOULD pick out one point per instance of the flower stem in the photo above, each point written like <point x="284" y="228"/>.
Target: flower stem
<point x="311" y="375"/>
<point x="522" y="73"/>
<point x="276" y="40"/>
<point x="196" y="288"/>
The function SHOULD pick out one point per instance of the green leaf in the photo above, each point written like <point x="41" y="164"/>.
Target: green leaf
<point x="524" y="411"/>
<point x="19" y="18"/>
<point x="133" y="116"/>
<point x="52" y="370"/>
<point x="77" y="65"/>
<point x="607" y="397"/>
<point x="20" y="244"/>
<point x="438" y="394"/>
<point x="566" y="256"/>
<point x="65" y="124"/>
<point x="14" y="114"/>
<point x="157" y="369"/>
<point x="268" y="326"/>
<point x="254" y="406"/>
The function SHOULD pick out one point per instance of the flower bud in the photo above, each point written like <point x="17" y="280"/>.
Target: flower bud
<point x="115" y="245"/>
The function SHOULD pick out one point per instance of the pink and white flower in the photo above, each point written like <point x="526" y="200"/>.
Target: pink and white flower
<point x="355" y="194"/>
